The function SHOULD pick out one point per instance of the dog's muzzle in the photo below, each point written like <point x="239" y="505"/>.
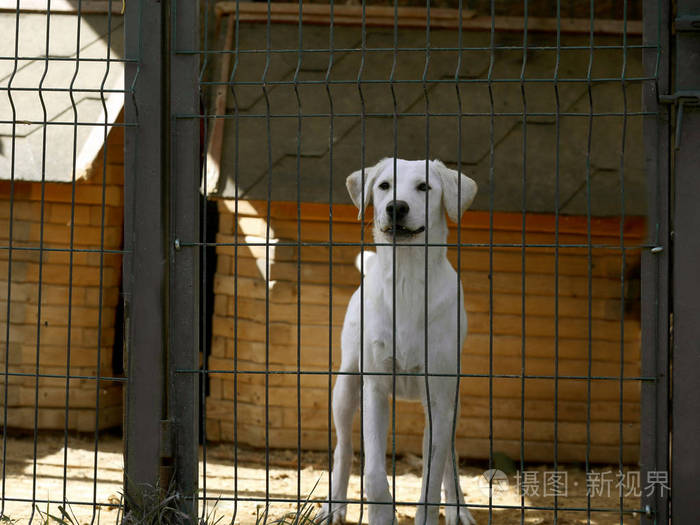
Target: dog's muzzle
<point x="397" y="211"/>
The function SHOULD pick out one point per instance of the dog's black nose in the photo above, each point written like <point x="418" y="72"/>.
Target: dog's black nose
<point x="397" y="210"/>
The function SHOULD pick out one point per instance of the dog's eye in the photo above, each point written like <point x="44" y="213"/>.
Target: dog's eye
<point x="384" y="186"/>
<point x="423" y="187"/>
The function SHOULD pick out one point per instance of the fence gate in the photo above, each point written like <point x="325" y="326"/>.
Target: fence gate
<point x="217" y="89"/>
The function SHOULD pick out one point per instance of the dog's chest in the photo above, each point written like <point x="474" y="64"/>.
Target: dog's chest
<point x="398" y="311"/>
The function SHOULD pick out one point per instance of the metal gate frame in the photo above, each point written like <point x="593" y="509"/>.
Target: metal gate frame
<point x="162" y="202"/>
<point x="685" y="96"/>
<point x="161" y="290"/>
<point x="654" y="445"/>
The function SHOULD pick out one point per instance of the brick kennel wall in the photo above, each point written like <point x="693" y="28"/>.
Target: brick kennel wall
<point x="243" y="344"/>
<point x="85" y="339"/>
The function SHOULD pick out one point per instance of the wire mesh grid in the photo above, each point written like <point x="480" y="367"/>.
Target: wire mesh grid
<point x="540" y="104"/>
<point x="297" y="97"/>
<point x="61" y="143"/>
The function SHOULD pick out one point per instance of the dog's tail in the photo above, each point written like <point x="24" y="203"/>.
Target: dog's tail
<point x="364" y="261"/>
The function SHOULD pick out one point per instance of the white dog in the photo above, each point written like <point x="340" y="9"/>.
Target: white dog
<point x="399" y="196"/>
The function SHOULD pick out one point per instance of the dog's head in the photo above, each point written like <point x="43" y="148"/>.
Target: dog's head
<point x="399" y="196"/>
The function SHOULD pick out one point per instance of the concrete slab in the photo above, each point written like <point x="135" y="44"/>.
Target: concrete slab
<point x="380" y="135"/>
<point x="42" y="93"/>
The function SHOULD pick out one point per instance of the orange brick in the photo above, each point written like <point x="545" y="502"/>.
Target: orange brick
<point x="113" y="215"/>
<point x="60" y="213"/>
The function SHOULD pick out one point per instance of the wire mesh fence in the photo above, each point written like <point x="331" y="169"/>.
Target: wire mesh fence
<point x="61" y="143"/>
<point x="545" y="114"/>
<point x="239" y="242"/>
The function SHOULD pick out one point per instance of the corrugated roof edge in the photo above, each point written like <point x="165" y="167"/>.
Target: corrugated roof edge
<point x="65" y="6"/>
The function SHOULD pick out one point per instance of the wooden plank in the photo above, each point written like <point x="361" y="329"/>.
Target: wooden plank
<point x="471" y="406"/>
<point x="503" y="387"/>
<point x="468" y="448"/>
<point x="316" y="286"/>
<point x="535" y="306"/>
<point x="541" y="429"/>
<point x="477" y="344"/>
<point x="509" y="221"/>
<point x="216" y="135"/>
<point x="85" y="193"/>
<point x="537" y="329"/>
<point x="316" y="231"/>
<point x="604" y="263"/>
<point x="415" y="17"/>
<point x="542" y="325"/>
<point x="110" y="396"/>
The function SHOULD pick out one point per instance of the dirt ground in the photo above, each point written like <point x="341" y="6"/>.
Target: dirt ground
<point x="285" y="481"/>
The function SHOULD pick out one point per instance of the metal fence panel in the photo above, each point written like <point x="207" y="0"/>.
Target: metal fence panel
<point x="243" y="131"/>
<point x="61" y="163"/>
<point x="145" y="277"/>
<point x="184" y="210"/>
<point x="242" y="248"/>
<point x="656" y="261"/>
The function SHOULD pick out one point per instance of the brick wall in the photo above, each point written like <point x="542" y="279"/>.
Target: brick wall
<point x="45" y="346"/>
<point x="246" y="338"/>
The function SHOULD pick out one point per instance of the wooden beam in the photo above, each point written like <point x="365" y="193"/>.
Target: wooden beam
<point x="376" y="16"/>
<point x="416" y="17"/>
<point x="216" y="139"/>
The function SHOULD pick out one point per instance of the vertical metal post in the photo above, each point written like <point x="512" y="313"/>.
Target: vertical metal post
<point x="183" y="167"/>
<point x="686" y="289"/>
<point x="144" y="268"/>
<point x="654" y="439"/>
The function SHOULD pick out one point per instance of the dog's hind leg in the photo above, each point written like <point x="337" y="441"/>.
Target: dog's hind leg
<point x="453" y="494"/>
<point x="375" y="406"/>
<point x="346" y="397"/>
<point x="436" y="447"/>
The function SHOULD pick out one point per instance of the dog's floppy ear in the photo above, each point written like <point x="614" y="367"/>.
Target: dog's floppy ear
<point x="362" y="196"/>
<point x="450" y="179"/>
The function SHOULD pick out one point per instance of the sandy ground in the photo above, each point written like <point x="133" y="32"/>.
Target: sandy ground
<point x="285" y="481"/>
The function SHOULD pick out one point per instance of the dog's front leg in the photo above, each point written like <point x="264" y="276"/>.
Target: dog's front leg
<point x="455" y="514"/>
<point x="375" y="408"/>
<point x="436" y="443"/>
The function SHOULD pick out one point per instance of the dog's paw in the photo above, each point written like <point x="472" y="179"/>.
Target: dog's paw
<point x="465" y="517"/>
<point x="328" y="515"/>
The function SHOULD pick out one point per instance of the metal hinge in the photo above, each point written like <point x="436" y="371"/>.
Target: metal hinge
<point x="688" y="97"/>
<point x="687" y="23"/>
<point x="166" y="438"/>
<point x="166" y="469"/>
<point x="680" y="99"/>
